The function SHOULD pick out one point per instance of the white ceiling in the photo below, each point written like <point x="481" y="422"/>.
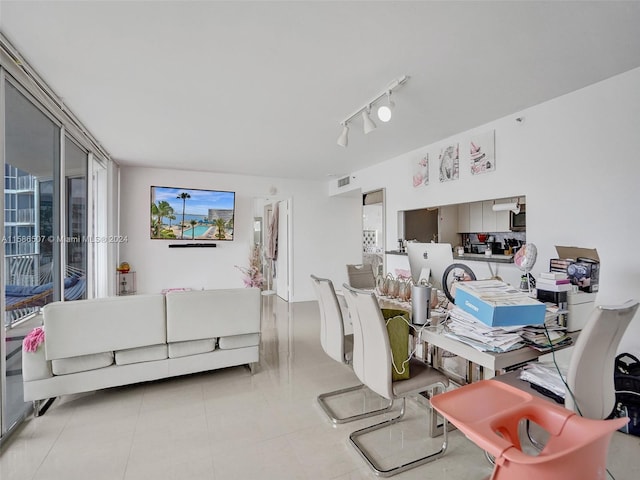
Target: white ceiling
<point x="260" y="87"/>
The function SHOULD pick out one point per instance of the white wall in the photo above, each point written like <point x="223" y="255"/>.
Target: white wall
<point x="577" y="160"/>
<point x="318" y="244"/>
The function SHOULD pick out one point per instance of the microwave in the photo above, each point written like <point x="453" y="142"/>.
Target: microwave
<point x="518" y="221"/>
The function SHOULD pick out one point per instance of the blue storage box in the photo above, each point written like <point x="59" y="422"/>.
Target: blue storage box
<point x="497" y="304"/>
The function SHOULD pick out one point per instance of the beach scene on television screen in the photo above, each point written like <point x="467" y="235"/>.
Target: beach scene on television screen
<point x="191" y="214"/>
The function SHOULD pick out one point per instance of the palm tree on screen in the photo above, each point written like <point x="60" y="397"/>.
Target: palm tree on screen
<point x="183" y="196"/>
<point x="164" y="210"/>
<point x="193" y="224"/>
<point x="220" y="225"/>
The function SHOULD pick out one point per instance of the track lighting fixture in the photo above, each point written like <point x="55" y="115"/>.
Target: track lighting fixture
<point x="384" y="111"/>
<point x="343" y="139"/>
<point x="367" y="123"/>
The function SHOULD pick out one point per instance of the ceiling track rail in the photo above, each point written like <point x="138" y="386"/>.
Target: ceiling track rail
<point x="7" y="48"/>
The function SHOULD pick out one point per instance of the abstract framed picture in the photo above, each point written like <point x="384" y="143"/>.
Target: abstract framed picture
<point x="421" y="171"/>
<point x="450" y="163"/>
<point x="482" y="153"/>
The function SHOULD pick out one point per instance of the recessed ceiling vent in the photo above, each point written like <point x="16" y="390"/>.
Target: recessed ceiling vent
<point x="344" y="181"/>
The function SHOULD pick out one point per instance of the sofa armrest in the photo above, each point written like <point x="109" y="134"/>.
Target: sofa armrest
<point x="35" y="366"/>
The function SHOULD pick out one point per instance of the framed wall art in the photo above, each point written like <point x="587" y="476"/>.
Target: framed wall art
<point x="450" y="163"/>
<point x="421" y="171"/>
<point x="482" y="151"/>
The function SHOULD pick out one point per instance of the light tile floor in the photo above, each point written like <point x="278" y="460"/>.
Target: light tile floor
<point x="229" y="424"/>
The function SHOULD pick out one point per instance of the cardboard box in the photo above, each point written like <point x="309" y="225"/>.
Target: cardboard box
<point x="497" y="304"/>
<point x="583" y="267"/>
<point x="580" y="306"/>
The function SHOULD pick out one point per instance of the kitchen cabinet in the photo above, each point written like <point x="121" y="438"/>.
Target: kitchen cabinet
<point x="479" y="217"/>
<point x="502" y="221"/>
<point x="488" y="217"/>
<point x="463" y="218"/>
<point x="475" y="217"/>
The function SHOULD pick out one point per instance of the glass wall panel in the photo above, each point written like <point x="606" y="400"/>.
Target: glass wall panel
<point x="32" y="154"/>
<point x="75" y="166"/>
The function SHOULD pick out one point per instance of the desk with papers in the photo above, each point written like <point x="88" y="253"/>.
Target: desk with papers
<point x="480" y="363"/>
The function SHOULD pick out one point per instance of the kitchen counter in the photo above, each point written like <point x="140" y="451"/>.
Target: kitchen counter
<point x="396" y="252"/>
<point x="481" y="257"/>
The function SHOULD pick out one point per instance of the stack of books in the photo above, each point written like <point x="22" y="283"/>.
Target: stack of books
<point x="553" y="282"/>
<point x="553" y="289"/>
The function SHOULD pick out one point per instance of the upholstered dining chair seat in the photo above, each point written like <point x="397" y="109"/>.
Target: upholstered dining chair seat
<point x="420" y="375"/>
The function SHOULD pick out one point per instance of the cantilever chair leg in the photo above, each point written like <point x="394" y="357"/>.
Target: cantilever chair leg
<point x="353" y="439"/>
<point x="436" y="429"/>
<point x="338" y="420"/>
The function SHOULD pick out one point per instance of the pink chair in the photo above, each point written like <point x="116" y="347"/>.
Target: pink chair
<point x="489" y="412"/>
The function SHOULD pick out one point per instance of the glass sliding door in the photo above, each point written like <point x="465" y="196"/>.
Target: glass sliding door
<point x="76" y="240"/>
<point x="32" y="157"/>
<point x="98" y="252"/>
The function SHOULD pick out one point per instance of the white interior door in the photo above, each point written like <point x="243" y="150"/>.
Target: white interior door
<point x="282" y="280"/>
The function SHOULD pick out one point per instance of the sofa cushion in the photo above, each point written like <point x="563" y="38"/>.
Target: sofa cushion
<point x="141" y="354"/>
<point x="191" y="347"/>
<point x="84" y="327"/>
<point x="203" y="314"/>
<point x="81" y="363"/>
<point x="239" y="341"/>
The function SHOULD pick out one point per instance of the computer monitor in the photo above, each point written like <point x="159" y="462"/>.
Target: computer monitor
<point x="429" y="261"/>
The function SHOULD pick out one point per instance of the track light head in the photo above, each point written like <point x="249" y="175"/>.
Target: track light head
<point x="343" y="139"/>
<point x="368" y="124"/>
<point x="384" y="111"/>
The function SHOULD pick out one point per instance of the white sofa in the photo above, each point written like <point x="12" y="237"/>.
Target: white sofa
<point x="107" y="342"/>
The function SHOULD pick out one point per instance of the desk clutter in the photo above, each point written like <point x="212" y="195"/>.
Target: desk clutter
<point x="466" y="328"/>
<point x="488" y="315"/>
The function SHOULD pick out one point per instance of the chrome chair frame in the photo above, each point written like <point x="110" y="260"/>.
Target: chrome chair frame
<point x="335" y="344"/>
<point x="372" y="364"/>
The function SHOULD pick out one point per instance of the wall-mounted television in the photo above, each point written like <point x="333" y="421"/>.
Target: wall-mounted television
<point x="191" y="214"/>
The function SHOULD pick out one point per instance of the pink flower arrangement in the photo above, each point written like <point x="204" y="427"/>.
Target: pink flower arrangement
<point x="33" y="340"/>
<point x="252" y="276"/>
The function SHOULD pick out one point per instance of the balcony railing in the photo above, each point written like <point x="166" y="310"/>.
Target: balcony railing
<point x="23" y="270"/>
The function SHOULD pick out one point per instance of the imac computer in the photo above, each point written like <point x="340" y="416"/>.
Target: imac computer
<point x="429" y="261"/>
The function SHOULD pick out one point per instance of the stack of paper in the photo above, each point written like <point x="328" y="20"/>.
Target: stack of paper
<point x="466" y="328"/>
<point x="546" y="337"/>
<point x="545" y="375"/>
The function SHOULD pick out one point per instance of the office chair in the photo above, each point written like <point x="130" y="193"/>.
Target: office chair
<point x="372" y="363"/>
<point x="590" y="379"/>
<point x="591" y="368"/>
<point x="506" y="401"/>
<point x="337" y="345"/>
<point x="361" y="276"/>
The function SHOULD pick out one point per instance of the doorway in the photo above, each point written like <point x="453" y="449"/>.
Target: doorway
<point x="272" y="218"/>
<point x="373" y="230"/>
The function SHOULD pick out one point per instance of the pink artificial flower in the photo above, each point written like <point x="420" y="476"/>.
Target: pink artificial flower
<point x="417" y="180"/>
<point x="33" y="340"/>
